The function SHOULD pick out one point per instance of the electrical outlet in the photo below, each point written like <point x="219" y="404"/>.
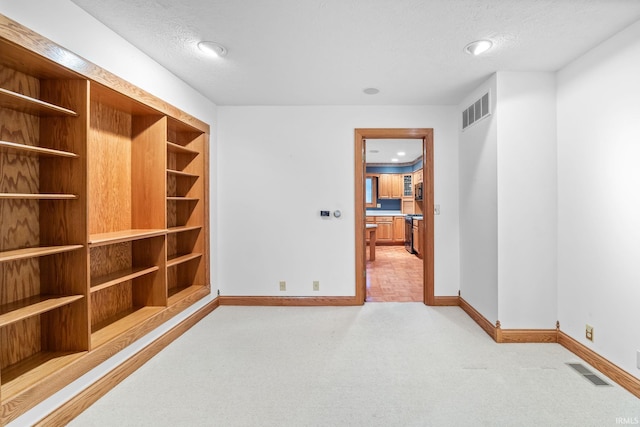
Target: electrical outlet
<point x="283" y="285"/>
<point x="588" y="333"/>
<point x="638" y="359"/>
<point x="316" y="285"/>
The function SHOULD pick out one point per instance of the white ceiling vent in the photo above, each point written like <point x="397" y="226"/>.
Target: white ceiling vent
<point x="476" y="111"/>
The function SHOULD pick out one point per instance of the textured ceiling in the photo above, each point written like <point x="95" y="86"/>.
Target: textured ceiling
<point x="325" y="52"/>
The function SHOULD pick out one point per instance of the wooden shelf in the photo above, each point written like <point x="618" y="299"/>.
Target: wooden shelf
<point x="111" y="328"/>
<point x="182" y="258"/>
<point x="180" y="173"/>
<point x="87" y="163"/>
<point x="32" y="370"/>
<point x="183" y="199"/>
<point x="36" y="251"/>
<point x="19" y="102"/>
<point x="180" y="293"/>
<point x="20" y="310"/>
<point x="28" y="196"/>
<point x="123" y="236"/>
<point x="103" y="282"/>
<point x="180" y="149"/>
<point x="32" y="149"/>
<point x="183" y="228"/>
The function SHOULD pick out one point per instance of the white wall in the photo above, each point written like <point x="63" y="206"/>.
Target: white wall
<point x="527" y="180"/>
<point x="69" y="26"/>
<point x="478" y="206"/>
<point x="508" y="202"/>
<point x="599" y="198"/>
<point x="282" y="165"/>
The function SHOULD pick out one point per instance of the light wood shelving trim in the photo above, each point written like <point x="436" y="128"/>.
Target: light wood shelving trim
<point x="183" y="199"/>
<point x="36" y="251"/>
<point x="183" y="228"/>
<point x="181" y="149"/>
<point x="180" y="293"/>
<point x="33" y="149"/>
<point x="29" y="196"/>
<point x="114" y="327"/>
<point x="103" y="282"/>
<point x="31" y="371"/>
<point x="102" y="239"/>
<point x="29" y="307"/>
<point x="172" y="262"/>
<point x="181" y="173"/>
<point x="27" y="104"/>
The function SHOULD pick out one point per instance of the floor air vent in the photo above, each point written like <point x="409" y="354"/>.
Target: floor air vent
<point x="588" y="374"/>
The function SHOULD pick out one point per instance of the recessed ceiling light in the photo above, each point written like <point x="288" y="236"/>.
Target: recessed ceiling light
<point x="401" y="153"/>
<point x="477" y="47"/>
<point x="394" y="160"/>
<point x="371" y="91"/>
<point x="213" y="48"/>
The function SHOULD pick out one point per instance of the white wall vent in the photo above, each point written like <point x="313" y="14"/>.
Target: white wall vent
<point x="476" y="111"/>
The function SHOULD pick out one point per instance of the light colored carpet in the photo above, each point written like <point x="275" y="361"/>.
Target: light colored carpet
<point x="382" y="364"/>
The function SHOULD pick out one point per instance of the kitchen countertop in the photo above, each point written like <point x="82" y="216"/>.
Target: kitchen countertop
<point x="385" y="213"/>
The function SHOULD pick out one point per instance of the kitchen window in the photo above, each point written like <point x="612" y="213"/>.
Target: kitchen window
<point x="370" y="193"/>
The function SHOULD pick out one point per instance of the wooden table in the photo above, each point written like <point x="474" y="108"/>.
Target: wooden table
<point x="371" y="229"/>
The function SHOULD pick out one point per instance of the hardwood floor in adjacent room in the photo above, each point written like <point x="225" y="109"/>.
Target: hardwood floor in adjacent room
<point x="395" y="276"/>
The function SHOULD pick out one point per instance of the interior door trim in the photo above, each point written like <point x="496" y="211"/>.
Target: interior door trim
<point x="426" y="134"/>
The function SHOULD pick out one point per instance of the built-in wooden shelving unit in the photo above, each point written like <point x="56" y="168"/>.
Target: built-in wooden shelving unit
<point x="103" y="216"/>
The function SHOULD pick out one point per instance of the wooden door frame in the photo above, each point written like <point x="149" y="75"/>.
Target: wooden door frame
<point x="360" y="212"/>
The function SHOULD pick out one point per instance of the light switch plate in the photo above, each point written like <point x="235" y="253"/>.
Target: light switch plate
<point x="638" y="359"/>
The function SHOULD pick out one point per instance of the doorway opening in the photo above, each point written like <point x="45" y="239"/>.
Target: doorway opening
<point x="404" y="186"/>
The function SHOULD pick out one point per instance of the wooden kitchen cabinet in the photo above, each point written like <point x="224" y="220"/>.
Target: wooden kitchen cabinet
<point x="397" y="186"/>
<point x="390" y="186"/>
<point x="417" y="176"/>
<point x="398" y="229"/>
<point x="407" y="185"/>
<point x="390" y="229"/>
<point x="384" y="232"/>
<point x="408" y="205"/>
<point x="417" y="240"/>
<point x="384" y="186"/>
<point x="103" y="216"/>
